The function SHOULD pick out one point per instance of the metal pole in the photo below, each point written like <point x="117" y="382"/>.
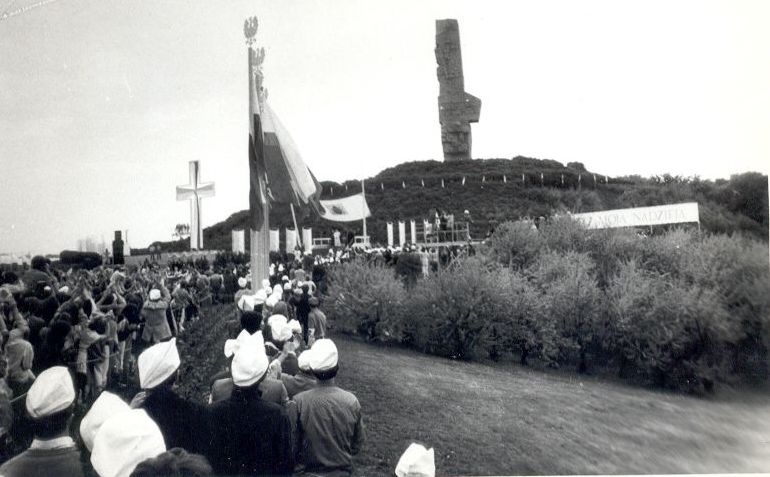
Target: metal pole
<point x="299" y="232"/>
<point x="363" y="193"/>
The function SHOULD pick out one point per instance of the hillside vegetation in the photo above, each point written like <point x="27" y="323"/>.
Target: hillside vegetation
<point x="397" y="193"/>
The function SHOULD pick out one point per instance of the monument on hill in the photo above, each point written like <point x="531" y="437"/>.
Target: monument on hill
<point x="117" y="249"/>
<point x="456" y="108"/>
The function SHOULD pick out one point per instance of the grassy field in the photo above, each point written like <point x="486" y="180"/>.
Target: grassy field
<point x="504" y="419"/>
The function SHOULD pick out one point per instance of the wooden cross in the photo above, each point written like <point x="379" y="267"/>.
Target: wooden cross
<point x="194" y="192"/>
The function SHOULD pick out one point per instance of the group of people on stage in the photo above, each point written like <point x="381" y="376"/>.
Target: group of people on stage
<point x="273" y="410"/>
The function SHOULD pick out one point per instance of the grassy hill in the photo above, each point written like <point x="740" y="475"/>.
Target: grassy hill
<point x="738" y="204"/>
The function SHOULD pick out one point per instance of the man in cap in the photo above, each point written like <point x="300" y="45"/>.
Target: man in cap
<point x="183" y="423"/>
<point x="249" y="435"/>
<point x="303" y="380"/>
<point x="330" y="423"/>
<point x="49" y="403"/>
<point x="125" y="440"/>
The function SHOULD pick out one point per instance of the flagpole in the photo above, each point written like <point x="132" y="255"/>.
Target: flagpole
<point x="363" y="193"/>
<point x="294" y="218"/>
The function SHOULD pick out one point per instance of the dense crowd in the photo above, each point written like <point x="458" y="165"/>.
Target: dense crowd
<point x="74" y="343"/>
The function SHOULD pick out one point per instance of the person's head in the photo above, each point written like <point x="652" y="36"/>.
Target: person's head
<point x="322" y="359"/>
<point x="39" y="263"/>
<point x="125" y="440"/>
<point x="49" y="403"/>
<point x="175" y="462"/>
<point x="313" y="302"/>
<point x="158" y="365"/>
<point x="250" y="363"/>
<point x="251" y="321"/>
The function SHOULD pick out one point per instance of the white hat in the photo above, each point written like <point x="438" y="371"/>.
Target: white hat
<point x="65" y="289"/>
<point x="265" y="283"/>
<point x="250" y="362"/>
<point x="51" y="392"/>
<point x="280" y="267"/>
<point x="287" y="286"/>
<point x="273" y="300"/>
<point x="232" y="346"/>
<point x="417" y="461"/>
<point x="278" y="289"/>
<point x="280" y="330"/>
<point x="294" y="326"/>
<point x="260" y="296"/>
<point x="242" y="282"/>
<point x="303" y="361"/>
<point x="106" y="406"/>
<point x="277" y="318"/>
<point x="154" y="294"/>
<point x="157" y="363"/>
<point x="323" y="355"/>
<point x="124" y="441"/>
<point x="285" y="278"/>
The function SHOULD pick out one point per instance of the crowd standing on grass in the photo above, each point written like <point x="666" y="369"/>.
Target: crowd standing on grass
<point x="75" y="343"/>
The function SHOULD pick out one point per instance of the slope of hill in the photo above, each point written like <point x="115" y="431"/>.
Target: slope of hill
<point x="494" y="190"/>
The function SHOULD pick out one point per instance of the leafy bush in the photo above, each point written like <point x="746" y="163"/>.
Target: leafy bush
<point x="449" y="313"/>
<point x="515" y="244"/>
<point x="409" y="268"/>
<point x="564" y="234"/>
<point x="365" y="298"/>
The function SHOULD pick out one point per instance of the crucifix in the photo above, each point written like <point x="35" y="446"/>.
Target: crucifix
<point x="194" y="192"/>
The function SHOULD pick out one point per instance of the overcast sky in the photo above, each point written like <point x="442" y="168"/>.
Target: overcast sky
<point x="103" y="102"/>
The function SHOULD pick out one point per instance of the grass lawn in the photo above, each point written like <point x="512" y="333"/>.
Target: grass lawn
<point x="503" y="420"/>
<point x="506" y="419"/>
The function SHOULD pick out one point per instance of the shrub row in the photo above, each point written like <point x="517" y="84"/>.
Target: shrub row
<point x="679" y="310"/>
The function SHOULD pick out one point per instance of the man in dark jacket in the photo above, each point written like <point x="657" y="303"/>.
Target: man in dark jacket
<point x="183" y="423"/>
<point x="249" y="435"/>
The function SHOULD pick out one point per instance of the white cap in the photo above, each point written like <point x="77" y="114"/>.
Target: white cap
<point x="260" y="296"/>
<point x="242" y="282"/>
<point x="250" y="362"/>
<point x="265" y="283"/>
<point x="65" y="289"/>
<point x="287" y="286"/>
<point x="232" y="346"/>
<point x="124" y="441"/>
<point x="294" y="326"/>
<point x="278" y="289"/>
<point x="154" y="294"/>
<point x="280" y="330"/>
<point x="273" y="300"/>
<point x="51" y="392"/>
<point x="417" y="461"/>
<point x="106" y="406"/>
<point x="277" y="318"/>
<point x="322" y="356"/>
<point x="303" y="361"/>
<point x="285" y="278"/>
<point x="157" y="363"/>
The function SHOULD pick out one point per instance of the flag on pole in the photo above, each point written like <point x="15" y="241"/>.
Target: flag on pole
<point x="422" y="182"/>
<point x="541" y="179"/>
<point x="562" y="179"/>
<point x="442" y="183"/>
<point x="579" y="178"/>
<point x="346" y="209"/>
<point x="403" y="185"/>
<point x="463" y="180"/>
<point x="382" y="186"/>
<point x="594" y="178"/>
<point x="504" y="179"/>
<point x="483" y="179"/>
<point x="605" y="179"/>
<point x="346" y="187"/>
<point x="522" y="178"/>
<point x="332" y="190"/>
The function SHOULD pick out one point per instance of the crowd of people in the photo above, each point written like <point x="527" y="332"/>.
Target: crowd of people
<point x="76" y="344"/>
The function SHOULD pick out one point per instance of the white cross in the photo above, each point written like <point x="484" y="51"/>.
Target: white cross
<point x="194" y="192"/>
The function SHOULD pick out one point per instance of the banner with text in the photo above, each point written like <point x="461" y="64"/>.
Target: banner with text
<point x="641" y="216"/>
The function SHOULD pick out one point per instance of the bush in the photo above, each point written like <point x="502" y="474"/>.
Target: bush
<point x="409" y="268"/>
<point x="564" y="234"/>
<point x="449" y="313"/>
<point x="515" y="244"/>
<point x="365" y="298"/>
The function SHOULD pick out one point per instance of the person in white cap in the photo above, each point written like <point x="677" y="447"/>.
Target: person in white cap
<point x="250" y="436"/>
<point x="417" y="461"/>
<point x="125" y="440"/>
<point x="156" y="326"/>
<point x="183" y="423"/>
<point x="331" y="425"/>
<point x="105" y="406"/>
<point x="243" y="290"/>
<point x="303" y="380"/>
<point x="49" y="403"/>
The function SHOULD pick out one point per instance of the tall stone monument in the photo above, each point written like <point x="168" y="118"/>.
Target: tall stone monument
<point x="456" y="108"/>
<point x="117" y="249"/>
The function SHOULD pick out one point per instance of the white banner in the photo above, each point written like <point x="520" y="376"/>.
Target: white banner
<point x="413" y="231"/>
<point x="346" y="209"/>
<point x="239" y="241"/>
<point x="390" y="234"/>
<point x="401" y="233"/>
<point x="307" y="239"/>
<point x="275" y="240"/>
<point x="291" y="240"/>
<point x="641" y="216"/>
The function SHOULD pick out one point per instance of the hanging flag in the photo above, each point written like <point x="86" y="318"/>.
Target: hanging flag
<point x="562" y="179"/>
<point x="483" y="179"/>
<point x="382" y="186"/>
<point x="522" y="178"/>
<point x="463" y="180"/>
<point x="403" y="185"/>
<point x="346" y="187"/>
<point x="579" y="178"/>
<point x="594" y="178"/>
<point x="332" y="190"/>
<point x="605" y="179"/>
<point x="422" y="182"/>
<point x="504" y="179"/>
<point x="442" y="183"/>
<point x="346" y="209"/>
<point x="541" y="179"/>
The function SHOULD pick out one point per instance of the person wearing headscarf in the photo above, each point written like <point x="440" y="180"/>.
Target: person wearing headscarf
<point x="49" y="404"/>
<point x="156" y="326"/>
<point x="182" y="422"/>
<point x="250" y="436"/>
<point x="331" y="425"/>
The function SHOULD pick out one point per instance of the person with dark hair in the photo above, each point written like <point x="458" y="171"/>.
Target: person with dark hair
<point x="156" y="326"/>
<point x="52" y="351"/>
<point x="330" y="423"/>
<point x="250" y="436"/>
<point x="316" y="322"/>
<point x="39" y="274"/>
<point x="183" y="423"/>
<point x="49" y="403"/>
<point x="175" y="462"/>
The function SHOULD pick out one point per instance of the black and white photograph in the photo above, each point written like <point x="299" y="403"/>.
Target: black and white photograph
<point x="364" y="238"/>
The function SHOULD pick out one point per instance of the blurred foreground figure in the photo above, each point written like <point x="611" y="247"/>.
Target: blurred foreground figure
<point x="417" y="461"/>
